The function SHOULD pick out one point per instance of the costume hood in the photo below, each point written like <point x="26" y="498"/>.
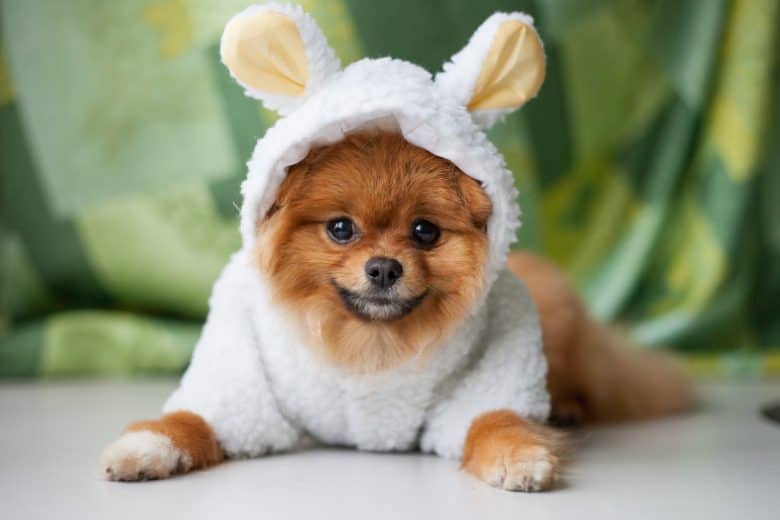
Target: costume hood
<point x="280" y="56"/>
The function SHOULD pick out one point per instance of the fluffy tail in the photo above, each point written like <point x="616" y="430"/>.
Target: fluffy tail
<point x="595" y="373"/>
<point x="618" y="381"/>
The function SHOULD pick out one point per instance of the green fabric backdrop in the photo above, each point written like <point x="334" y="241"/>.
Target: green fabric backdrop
<point x="649" y="167"/>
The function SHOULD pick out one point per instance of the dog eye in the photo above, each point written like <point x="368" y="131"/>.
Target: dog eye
<point x="425" y="233"/>
<point x="341" y="230"/>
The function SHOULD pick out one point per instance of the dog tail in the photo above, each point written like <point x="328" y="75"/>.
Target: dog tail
<point x="595" y="373"/>
<point x="619" y="381"/>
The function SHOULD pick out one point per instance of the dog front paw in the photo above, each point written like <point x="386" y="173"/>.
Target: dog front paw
<point x="534" y="470"/>
<point x="143" y="455"/>
<point x="511" y="453"/>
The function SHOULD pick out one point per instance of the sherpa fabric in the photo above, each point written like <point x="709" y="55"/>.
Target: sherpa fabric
<point x="254" y="380"/>
<point x="647" y="168"/>
<point x="253" y="376"/>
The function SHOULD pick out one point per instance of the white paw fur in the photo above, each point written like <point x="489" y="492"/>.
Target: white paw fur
<point x="143" y="455"/>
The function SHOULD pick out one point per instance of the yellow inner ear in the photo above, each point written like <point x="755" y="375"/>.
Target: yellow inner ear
<point x="513" y="70"/>
<point x="265" y="51"/>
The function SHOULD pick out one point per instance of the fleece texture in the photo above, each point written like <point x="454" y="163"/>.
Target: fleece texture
<point x="254" y="378"/>
<point x="460" y="74"/>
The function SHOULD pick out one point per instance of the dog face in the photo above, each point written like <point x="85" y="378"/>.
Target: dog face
<point x="378" y="246"/>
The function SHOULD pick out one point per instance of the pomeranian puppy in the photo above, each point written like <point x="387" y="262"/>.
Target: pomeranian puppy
<point x="370" y="304"/>
<point x="379" y="285"/>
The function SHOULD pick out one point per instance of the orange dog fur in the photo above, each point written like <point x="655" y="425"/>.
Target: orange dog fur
<point x="506" y="451"/>
<point x="383" y="183"/>
<point x="192" y="437"/>
<point x="595" y="374"/>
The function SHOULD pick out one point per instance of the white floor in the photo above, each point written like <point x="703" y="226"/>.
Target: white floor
<point x="720" y="462"/>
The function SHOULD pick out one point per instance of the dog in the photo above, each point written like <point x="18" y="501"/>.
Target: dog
<point x="373" y="303"/>
<point x="374" y="316"/>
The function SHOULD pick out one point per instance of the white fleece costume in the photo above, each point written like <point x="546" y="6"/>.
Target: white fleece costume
<point x="252" y="376"/>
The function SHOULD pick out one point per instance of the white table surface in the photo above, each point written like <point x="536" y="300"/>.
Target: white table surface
<point x="722" y="461"/>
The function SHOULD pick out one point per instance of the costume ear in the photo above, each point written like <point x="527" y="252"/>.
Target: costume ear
<point x="500" y="68"/>
<point x="278" y="54"/>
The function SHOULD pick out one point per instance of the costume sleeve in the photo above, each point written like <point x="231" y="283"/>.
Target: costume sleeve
<point x="225" y="382"/>
<point x="508" y="371"/>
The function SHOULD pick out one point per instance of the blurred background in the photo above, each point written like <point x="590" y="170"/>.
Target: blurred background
<point x="649" y="168"/>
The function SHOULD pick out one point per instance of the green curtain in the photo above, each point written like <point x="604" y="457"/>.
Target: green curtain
<point x="649" y="168"/>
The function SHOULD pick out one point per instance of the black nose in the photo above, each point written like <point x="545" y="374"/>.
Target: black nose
<point x="383" y="272"/>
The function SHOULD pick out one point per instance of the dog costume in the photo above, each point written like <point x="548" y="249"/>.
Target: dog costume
<point x="252" y="376"/>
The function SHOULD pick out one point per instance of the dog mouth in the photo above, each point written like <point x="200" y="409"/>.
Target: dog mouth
<point x="377" y="307"/>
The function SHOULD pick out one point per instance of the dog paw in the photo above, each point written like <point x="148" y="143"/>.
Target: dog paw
<point x="508" y="452"/>
<point x="532" y="471"/>
<point x="531" y="468"/>
<point x="143" y="455"/>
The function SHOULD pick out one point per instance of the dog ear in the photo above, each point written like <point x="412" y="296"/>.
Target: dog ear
<point x="500" y="68"/>
<point x="278" y="54"/>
